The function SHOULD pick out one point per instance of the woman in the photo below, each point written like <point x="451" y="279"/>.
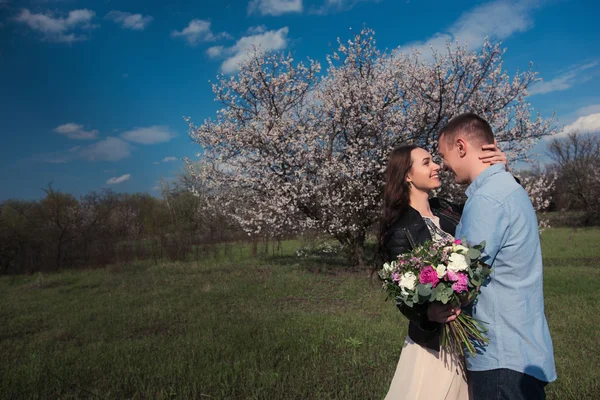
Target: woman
<point x="409" y="219"/>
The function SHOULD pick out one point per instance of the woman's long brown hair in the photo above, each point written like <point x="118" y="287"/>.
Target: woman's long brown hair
<point x="396" y="192"/>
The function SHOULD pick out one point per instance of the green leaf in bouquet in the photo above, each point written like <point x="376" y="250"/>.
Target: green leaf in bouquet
<point x="440" y="296"/>
<point x="480" y="246"/>
<point x="444" y="294"/>
<point x="433" y="295"/>
<point x="486" y="270"/>
<point x="424" y="290"/>
<point x="445" y="299"/>
<point x="473" y="254"/>
<point x="401" y="300"/>
<point x="407" y="301"/>
<point x="476" y="281"/>
<point x="415" y="297"/>
<point x="478" y="271"/>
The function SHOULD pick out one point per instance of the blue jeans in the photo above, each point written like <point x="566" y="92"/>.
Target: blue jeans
<point x="505" y="384"/>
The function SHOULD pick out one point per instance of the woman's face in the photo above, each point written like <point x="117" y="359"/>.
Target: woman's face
<point x="423" y="174"/>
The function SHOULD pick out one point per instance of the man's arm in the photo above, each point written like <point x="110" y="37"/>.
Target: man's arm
<point x="484" y="218"/>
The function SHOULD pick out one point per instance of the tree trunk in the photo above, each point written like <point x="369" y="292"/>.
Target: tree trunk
<point x="59" y="251"/>
<point x="355" y="246"/>
<point x="254" y="247"/>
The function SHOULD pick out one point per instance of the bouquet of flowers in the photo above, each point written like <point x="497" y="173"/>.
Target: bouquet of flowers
<point x="447" y="272"/>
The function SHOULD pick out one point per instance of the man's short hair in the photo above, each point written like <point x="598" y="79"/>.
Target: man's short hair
<point x="476" y="129"/>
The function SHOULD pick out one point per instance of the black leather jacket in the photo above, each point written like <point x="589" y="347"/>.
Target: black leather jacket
<point x="404" y="234"/>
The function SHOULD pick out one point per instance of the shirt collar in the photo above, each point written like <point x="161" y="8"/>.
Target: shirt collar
<point x="482" y="177"/>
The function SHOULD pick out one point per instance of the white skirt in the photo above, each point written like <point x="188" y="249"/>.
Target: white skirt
<point x="424" y="374"/>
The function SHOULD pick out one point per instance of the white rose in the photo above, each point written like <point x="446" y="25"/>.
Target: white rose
<point x="389" y="267"/>
<point x="441" y="270"/>
<point x="408" y="281"/>
<point x="458" y="262"/>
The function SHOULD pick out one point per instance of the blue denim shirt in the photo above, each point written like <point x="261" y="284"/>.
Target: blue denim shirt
<point x="498" y="210"/>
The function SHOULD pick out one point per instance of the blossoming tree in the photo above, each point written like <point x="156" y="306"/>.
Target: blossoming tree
<point x="297" y="148"/>
<point x="540" y="187"/>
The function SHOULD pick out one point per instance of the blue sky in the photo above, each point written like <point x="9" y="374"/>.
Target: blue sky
<point x="93" y="92"/>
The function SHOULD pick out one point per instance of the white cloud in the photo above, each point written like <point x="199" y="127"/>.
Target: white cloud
<point x="156" y="162"/>
<point x="109" y="149"/>
<point x="167" y="159"/>
<point x="591" y="109"/>
<point x="269" y="40"/>
<point x="58" y="29"/>
<point x="76" y="131"/>
<point x="149" y="135"/>
<point x="587" y="124"/>
<point x="117" y="180"/>
<point x="136" y="22"/>
<point x="253" y="30"/>
<point x="564" y="81"/>
<point x="199" y="31"/>
<point x="331" y="6"/>
<point x="274" y="7"/>
<point x="215" y="51"/>
<point x="496" y="20"/>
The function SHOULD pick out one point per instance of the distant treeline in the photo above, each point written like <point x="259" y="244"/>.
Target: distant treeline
<point x="60" y="231"/>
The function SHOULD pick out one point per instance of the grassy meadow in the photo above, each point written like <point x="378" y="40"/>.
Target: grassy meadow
<point x="276" y="327"/>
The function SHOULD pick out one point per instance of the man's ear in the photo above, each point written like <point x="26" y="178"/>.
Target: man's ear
<point x="461" y="147"/>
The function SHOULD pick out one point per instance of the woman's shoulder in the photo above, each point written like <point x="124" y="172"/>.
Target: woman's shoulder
<point x="410" y="217"/>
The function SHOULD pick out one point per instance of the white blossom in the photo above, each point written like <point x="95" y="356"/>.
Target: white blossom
<point x="540" y="188"/>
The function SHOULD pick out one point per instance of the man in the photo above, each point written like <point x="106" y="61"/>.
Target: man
<point x="519" y="360"/>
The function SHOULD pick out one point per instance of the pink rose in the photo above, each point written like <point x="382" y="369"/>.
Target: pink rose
<point x="396" y="277"/>
<point x="457" y="241"/>
<point x="452" y="276"/>
<point x="429" y="275"/>
<point x="462" y="285"/>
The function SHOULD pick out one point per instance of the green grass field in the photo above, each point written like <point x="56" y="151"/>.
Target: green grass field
<point x="242" y="328"/>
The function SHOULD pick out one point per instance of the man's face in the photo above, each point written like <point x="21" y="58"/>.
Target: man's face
<point x="453" y="162"/>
